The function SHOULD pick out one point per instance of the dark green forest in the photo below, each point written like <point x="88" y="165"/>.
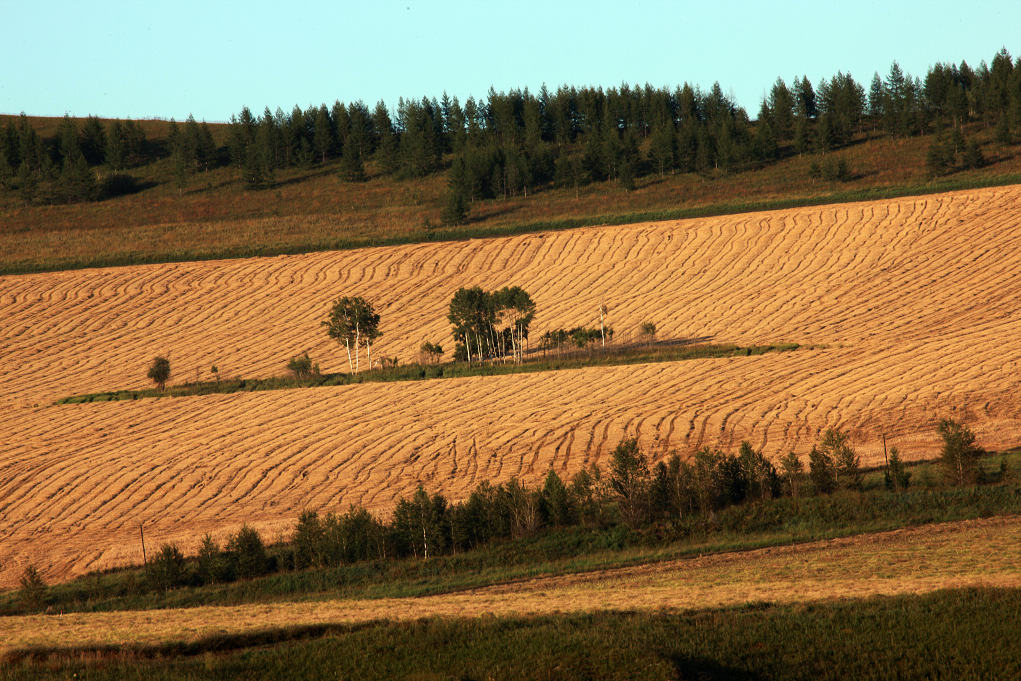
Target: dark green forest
<point x="518" y="142"/>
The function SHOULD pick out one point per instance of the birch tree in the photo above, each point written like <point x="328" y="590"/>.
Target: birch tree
<point x="353" y="320"/>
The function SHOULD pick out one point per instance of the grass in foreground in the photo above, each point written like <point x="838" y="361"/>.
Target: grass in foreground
<point x="955" y="634"/>
<point x="616" y="356"/>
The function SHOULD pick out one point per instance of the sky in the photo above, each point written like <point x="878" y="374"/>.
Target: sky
<point x="159" y="59"/>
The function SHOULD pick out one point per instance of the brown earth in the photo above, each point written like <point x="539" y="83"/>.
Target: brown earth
<point x="916" y="301"/>
<point x="909" y="561"/>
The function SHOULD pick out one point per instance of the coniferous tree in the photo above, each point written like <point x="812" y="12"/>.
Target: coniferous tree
<point x="116" y="146"/>
<point x="351" y="167"/>
<point x="781" y="106"/>
<point x="324" y="137"/>
<point x="663" y="147"/>
<point x="93" y="141"/>
<point x="973" y="155"/>
<point x="877" y="99"/>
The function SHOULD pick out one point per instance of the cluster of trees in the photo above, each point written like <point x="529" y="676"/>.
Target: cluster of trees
<point x="579" y="336"/>
<point x="60" y="170"/>
<point x="191" y="148"/>
<point x="354" y="322"/>
<point x="489" y="324"/>
<point x="511" y="143"/>
<point x="243" y="557"/>
<point x="630" y="493"/>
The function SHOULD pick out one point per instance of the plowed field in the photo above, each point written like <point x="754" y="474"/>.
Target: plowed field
<point x="915" y="300"/>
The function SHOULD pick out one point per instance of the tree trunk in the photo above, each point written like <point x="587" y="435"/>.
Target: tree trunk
<point x="358" y="352"/>
<point x="347" y="344"/>
<point x="368" y="353"/>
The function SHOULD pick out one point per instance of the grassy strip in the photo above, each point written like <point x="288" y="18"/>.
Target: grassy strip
<point x="566" y="551"/>
<point x="484" y="231"/>
<point x="420" y="372"/>
<point x="954" y="634"/>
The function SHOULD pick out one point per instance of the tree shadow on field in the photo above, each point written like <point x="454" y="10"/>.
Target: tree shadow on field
<point x="707" y="669"/>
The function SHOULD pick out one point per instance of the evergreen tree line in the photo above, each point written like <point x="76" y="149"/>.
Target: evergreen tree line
<point x="630" y="493"/>
<point x="62" y="169"/>
<point x="509" y="144"/>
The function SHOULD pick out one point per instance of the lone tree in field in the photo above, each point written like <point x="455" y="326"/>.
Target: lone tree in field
<point x="159" y="372"/>
<point x="960" y="454"/>
<point x="353" y="321"/>
<point x="33" y="589"/>
<point x="301" y="366"/>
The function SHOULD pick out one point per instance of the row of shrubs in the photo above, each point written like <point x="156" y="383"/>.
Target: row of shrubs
<point x="629" y="493"/>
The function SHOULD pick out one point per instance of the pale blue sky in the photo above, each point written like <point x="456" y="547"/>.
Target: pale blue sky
<point x="161" y="59"/>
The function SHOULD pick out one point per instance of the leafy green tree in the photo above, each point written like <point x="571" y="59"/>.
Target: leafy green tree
<point x="308" y="541"/>
<point x="247" y="553"/>
<point x="836" y="446"/>
<point x="959" y="455"/>
<point x="759" y="473"/>
<point x="629" y="480"/>
<point x="211" y="564"/>
<point x="419" y="522"/>
<point x="793" y="472"/>
<point x="557" y="502"/>
<point x="822" y="471"/>
<point x="430" y="352"/>
<point x="159" y="372"/>
<point x="352" y="321"/>
<point x="166" y="569"/>
<point x="301" y="367"/>
<point x="33" y="589"/>
<point x="473" y="315"/>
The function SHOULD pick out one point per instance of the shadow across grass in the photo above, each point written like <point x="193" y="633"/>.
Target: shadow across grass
<point x="962" y="634"/>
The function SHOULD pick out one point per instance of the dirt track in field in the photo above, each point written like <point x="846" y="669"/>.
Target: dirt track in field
<point x="909" y="561"/>
<point x="916" y="301"/>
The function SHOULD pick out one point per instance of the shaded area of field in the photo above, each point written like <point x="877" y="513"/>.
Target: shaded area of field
<point x="910" y="561"/>
<point x="915" y="300"/>
<point x="961" y="634"/>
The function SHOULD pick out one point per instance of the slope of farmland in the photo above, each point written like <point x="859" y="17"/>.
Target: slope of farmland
<point x="915" y="300"/>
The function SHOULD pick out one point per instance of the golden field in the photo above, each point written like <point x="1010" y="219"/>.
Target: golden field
<point x="911" y="305"/>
